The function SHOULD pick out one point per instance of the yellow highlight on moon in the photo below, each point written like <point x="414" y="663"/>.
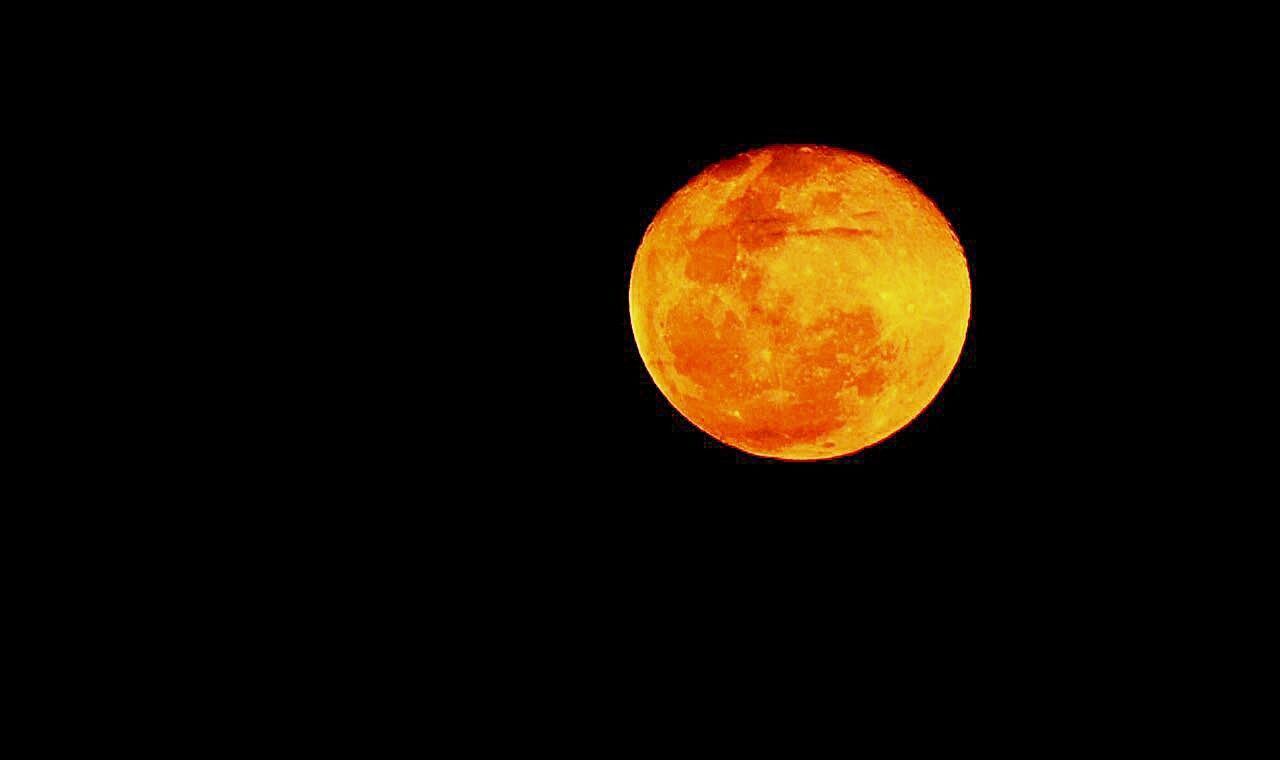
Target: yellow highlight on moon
<point x="800" y="301"/>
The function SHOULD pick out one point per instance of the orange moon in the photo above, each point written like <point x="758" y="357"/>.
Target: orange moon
<point x="799" y="301"/>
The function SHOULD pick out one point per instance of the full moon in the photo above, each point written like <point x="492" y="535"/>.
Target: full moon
<point x="799" y="301"/>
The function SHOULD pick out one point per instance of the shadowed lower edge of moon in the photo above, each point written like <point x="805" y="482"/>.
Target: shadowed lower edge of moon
<point x="811" y="426"/>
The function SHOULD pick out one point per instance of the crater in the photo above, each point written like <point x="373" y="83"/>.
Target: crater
<point x="727" y="170"/>
<point x="711" y="256"/>
<point x="708" y="355"/>
<point x="791" y="166"/>
<point x="826" y="202"/>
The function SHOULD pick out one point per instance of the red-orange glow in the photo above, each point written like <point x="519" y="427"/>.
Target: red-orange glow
<point x="799" y="302"/>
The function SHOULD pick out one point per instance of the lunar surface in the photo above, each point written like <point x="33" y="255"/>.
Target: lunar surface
<point x="799" y="302"/>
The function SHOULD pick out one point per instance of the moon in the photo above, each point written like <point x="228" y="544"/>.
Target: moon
<point x="799" y="301"/>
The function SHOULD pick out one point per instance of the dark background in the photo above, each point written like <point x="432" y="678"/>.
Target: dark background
<point x="464" y="444"/>
<point x="482" y="453"/>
